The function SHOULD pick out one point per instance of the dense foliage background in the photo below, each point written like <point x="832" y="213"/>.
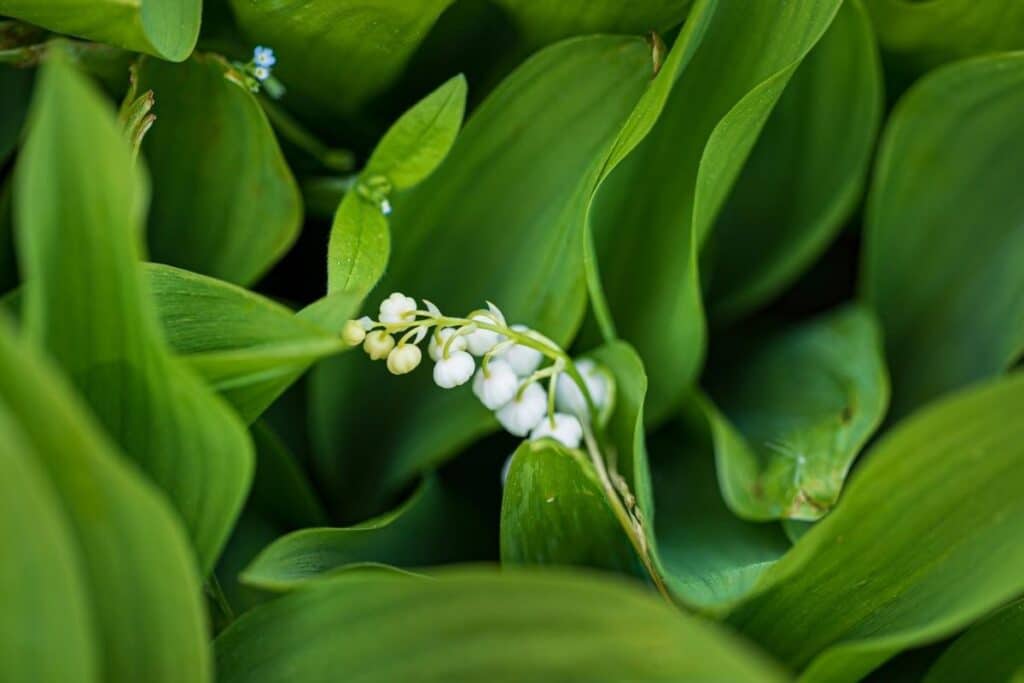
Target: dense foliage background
<point x="791" y="230"/>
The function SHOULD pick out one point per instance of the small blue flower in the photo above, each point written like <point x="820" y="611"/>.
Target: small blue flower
<point x="263" y="56"/>
<point x="261" y="73"/>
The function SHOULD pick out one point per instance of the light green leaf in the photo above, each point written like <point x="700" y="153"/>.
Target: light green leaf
<point x="165" y="28"/>
<point x="988" y="652"/>
<point x="226" y="204"/>
<point x="554" y="511"/>
<point x="501" y="219"/>
<point x="143" y="588"/>
<point x="793" y="411"/>
<point x="78" y="214"/>
<point x="656" y="209"/>
<point x="925" y="540"/>
<point x="545" y="22"/>
<point x="944" y="246"/>
<point x="46" y="607"/>
<point x="336" y="54"/>
<point x="474" y="625"/>
<point x="806" y="173"/>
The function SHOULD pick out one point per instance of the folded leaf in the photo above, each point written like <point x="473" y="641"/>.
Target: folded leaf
<point x="473" y="625"/>
<point x="225" y="203"/>
<point x="806" y="173"/>
<point x="988" y="652"/>
<point x="944" y="245"/>
<point x="925" y="540"/>
<point x="164" y="28"/>
<point x="147" y="618"/>
<point x="78" y="209"/>
<point x="793" y="411"/>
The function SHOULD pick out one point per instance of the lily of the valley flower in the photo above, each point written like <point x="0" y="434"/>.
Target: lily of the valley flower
<point x="566" y="429"/>
<point x="378" y="344"/>
<point x="454" y="370"/>
<point x="496" y="384"/>
<point x="568" y="397"/>
<point x="439" y="339"/>
<point x="397" y="308"/>
<point x="481" y="341"/>
<point x="404" y="358"/>
<point x="522" y="359"/>
<point x="525" y="411"/>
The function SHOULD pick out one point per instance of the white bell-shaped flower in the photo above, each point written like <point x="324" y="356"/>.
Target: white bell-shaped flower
<point x="568" y="396"/>
<point x="522" y="414"/>
<point x="565" y="429"/>
<point x="378" y="344"/>
<point x="404" y="358"/>
<point x="480" y="342"/>
<point x="454" y="370"/>
<point x="523" y="359"/>
<point x="497" y="386"/>
<point x="397" y="308"/>
<point x="438" y="341"/>
<point x="353" y="333"/>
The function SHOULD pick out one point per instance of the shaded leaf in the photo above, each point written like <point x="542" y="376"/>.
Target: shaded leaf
<point x="988" y="652"/>
<point x="545" y="22"/>
<point x="944" y="268"/>
<point x="16" y="85"/>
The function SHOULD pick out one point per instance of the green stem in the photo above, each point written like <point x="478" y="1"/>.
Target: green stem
<point x="340" y="160"/>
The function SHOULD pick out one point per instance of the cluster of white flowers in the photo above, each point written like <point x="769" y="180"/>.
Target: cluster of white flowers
<point x="514" y="364"/>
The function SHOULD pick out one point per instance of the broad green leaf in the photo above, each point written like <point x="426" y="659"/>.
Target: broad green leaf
<point x="554" y="511"/>
<point x="78" y="217"/>
<point x="225" y="203"/>
<point x="422" y="531"/>
<point x="806" y="173"/>
<point x="924" y="34"/>
<point x="501" y="219"/>
<point x="16" y="85"/>
<point x="545" y="22"/>
<point x="46" y="607"/>
<point x="657" y="208"/>
<point x="988" y="652"/>
<point x="944" y="245"/>
<point x="165" y="28"/>
<point x="791" y="412"/>
<point x="478" y="624"/>
<point x="925" y="540"/>
<point x="336" y="54"/>
<point x="143" y="588"/>
<point x="360" y="242"/>
<point x="280" y="489"/>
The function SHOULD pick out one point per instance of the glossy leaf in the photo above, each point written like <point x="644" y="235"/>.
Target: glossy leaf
<point x="165" y="28"/>
<point x="925" y="540"/>
<point x="554" y="511"/>
<point x="336" y="54"/>
<point x="944" y="246"/>
<point x="481" y="209"/>
<point x="78" y="210"/>
<point x="988" y="652"/>
<point x="545" y="22"/>
<point x="143" y="589"/>
<point x="470" y="625"/>
<point x="805" y="174"/>
<point x="675" y="182"/>
<point x="793" y="411"/>
<point x="226" y="204"/>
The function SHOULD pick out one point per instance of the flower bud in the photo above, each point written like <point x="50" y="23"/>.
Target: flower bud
<point x="353" y="333"/>
<point x="438" y="341"/>
<point x="404" y="358"/>
<point x="523" y="359"/>
<point x="566" y="430"/>
<point x="482" y="341"/>
<point x="397" y="308"/>
<point x="497" y="386"/>
<point x="568" y="396"/>
<point x="522" y="414"/>
<point x="454" y="370"/>
<point x="378" y="344"/>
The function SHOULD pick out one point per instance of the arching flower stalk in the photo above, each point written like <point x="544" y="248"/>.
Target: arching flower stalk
<point x="533" y="386"/>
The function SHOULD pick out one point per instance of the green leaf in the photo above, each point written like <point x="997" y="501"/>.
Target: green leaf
<point x="944" y="250"/>
<point x="16" y="85"/>
<point x="46" y="607"/>
<point x="501" y="219"/>
<point x="674" y="183"/>
<point x="554" y="511"/>
<point x="417" y="533"/>
<point x="988" y="652"/>
<point x="336" y="54"/>
<point x="226" y="204"/>
<point x="143" y="588"/>
<point x="545" y="22"/>
<point x="78" y="214"/>
<point x="164" y="28"/>
<point x="793" y="411"/>
<point x="806" y="173"/>
<point x="473" y="625"/>
<point x="925" y="540"/>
